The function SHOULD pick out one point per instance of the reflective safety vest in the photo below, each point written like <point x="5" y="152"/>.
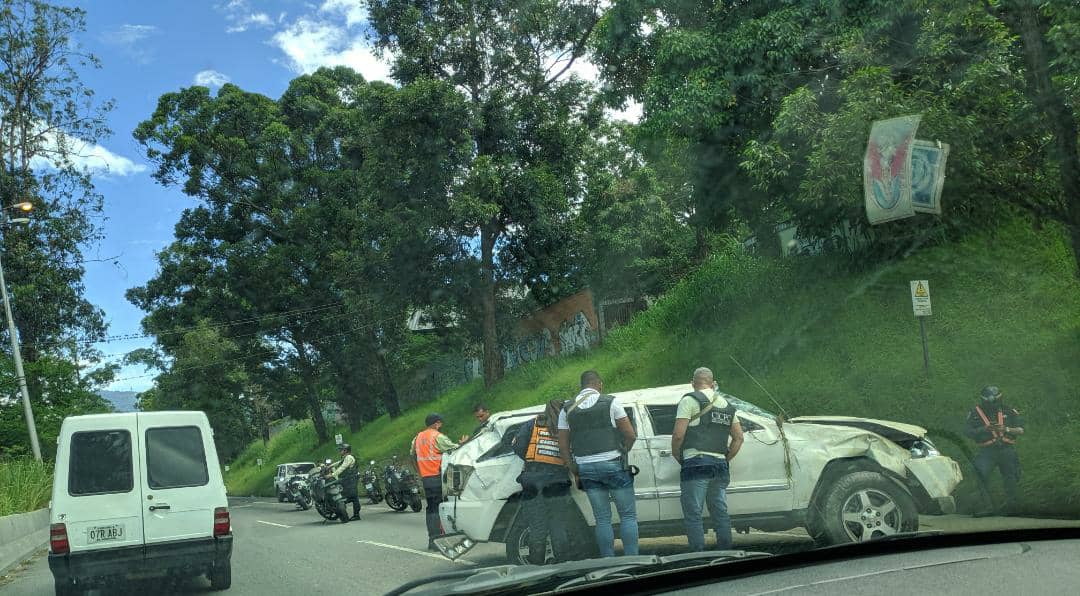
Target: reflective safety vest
<point x="995" y="435"/>
<point x="543" y="447"/>
<point x="428" y="456"/>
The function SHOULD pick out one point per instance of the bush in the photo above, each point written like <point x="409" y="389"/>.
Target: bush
<point x="25" y="485"/>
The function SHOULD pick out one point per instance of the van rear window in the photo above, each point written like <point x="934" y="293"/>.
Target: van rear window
<point x="175" y="458"/>
<point x="99" y="462"/>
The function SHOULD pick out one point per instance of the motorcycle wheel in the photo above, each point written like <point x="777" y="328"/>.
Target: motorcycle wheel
<point x="303" y="503"/>
<point x="395" y="502"/>
<point x="342" y="512"/>
<point x="325" y="511"/>
<point x="416" y="503"/>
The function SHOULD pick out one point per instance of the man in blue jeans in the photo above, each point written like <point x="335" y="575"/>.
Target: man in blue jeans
<point x="706" y="437"/>
<point x="596" y="431"/>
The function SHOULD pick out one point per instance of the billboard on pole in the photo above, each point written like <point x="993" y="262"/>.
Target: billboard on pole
<point x="887" y="169"/>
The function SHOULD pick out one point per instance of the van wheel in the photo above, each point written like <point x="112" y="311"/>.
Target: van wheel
<point x="281" y="497"/>
<point x="221" y="577"/>
<point x="863" y="506"/>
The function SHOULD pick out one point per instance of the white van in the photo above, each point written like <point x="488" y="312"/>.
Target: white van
<point x="138" y="495"/>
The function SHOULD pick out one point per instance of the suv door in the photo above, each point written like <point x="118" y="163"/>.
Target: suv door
<point x="102" y="508"/>
<point x="180" y="497"/>
<point x="759" y="480"/>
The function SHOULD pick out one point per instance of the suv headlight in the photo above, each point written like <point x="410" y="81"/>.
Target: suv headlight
<point x="923" y="448"/>
<point x="454" y="479"/>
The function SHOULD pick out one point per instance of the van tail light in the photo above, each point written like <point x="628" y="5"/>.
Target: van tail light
<point x="222" y="525"/>
<point x="58" y="540"/>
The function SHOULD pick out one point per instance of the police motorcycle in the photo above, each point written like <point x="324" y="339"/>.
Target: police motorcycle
<point x="326" y="494"/>
<point x="402" y="488"/>
<point x="370" y="480"/>
<point x="299" y="491"/>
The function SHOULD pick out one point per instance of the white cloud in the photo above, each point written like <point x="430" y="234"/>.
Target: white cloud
<point x="354" y="10"/>
<point x="241" y="16"/>
<point x="89" y="157"/>
<point x="210" y="78"/>
<point x="631" y="113"/>
<point x="130" y="39"/>
<point x="126" y="35"/>
<point x="309" y="44"/>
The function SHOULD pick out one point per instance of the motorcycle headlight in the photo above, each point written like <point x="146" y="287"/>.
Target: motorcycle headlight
<point x="923" y="448"/>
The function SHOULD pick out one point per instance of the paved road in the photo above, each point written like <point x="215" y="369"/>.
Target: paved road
<point x="280" y="551"/>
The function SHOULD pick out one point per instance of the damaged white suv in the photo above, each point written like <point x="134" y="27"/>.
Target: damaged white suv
<point x="843" y="479"/>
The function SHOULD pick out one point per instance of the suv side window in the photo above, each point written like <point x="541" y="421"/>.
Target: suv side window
<point x="279" y="471"/>
<point x="748" y="426"/>
<point x="663" y="419"/>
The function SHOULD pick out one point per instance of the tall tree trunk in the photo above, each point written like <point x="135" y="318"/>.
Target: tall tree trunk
<point x="493" y="365"/>
<point x="389" y="392"/>
<point x="1024" y="19"/>
<point x="311" y="393"/>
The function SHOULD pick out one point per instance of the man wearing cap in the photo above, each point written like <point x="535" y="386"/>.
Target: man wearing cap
<point x="348" y="473"/>
<point x="428" y="447"/>
<point x="994" y="427"/>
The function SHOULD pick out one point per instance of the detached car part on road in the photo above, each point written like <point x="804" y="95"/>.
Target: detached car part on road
<point x="137" y="495"/>
<point x="844" y="479"/>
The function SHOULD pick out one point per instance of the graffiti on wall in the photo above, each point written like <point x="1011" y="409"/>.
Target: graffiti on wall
<point x="576" y="334"/>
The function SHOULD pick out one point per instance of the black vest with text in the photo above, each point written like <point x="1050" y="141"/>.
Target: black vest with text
<point x="713" y="428"/>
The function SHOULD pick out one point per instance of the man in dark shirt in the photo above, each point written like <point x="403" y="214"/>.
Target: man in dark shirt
<point x="994" y="427"/>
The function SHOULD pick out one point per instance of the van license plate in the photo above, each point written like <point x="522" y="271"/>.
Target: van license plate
<point x="105" y="533"/>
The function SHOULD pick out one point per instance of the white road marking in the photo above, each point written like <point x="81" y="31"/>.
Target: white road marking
<point x="272" y="524"/>
<point x="417" y="552"/>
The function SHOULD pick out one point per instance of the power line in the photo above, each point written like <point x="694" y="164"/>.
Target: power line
<point x="182" y="330"/>
<point x="244" y="357"/>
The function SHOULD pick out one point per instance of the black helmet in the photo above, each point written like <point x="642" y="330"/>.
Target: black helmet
<point x="990" y="393"/>
<point x="432" y="419"/>
<point x="345" y="447"/>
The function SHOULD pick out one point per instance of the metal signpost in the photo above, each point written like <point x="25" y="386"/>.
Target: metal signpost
<point x="920" y="304"/>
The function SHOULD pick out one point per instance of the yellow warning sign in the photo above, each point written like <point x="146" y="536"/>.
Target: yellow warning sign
<point x="920" y="297"/>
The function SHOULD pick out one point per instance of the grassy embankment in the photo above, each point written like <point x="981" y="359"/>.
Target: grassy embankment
<point x="25" y="485"/>
<point x="1006" y="312"/>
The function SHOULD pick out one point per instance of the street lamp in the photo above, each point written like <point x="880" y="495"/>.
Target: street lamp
<point x="31" y="427"/>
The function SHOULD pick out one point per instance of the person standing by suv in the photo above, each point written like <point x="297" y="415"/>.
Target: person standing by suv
<point x="596" y="431"/>
<point x="428" y="447"/>
<point x="706" y="437"/>
<point x="545" y="485"/>
<point x="994" y="427"/>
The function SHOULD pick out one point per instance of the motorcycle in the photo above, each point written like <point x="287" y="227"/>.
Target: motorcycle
<point x="370" y="480"/>
<point x="298" y="490"/>
<point x="402" y="488"/>
<point x="326" y="494"/>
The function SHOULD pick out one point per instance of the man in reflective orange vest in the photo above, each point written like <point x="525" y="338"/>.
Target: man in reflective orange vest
<point x="428" y="447"/>
<point x="545" y="484"/>
<point x="994" y="428"/>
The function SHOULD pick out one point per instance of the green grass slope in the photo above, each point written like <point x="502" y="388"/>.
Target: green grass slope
<point x="1006" y="312"/>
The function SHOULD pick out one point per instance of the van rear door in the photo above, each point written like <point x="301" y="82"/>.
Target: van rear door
<point x="98" y="479"/>
<point x="181" y="478"/>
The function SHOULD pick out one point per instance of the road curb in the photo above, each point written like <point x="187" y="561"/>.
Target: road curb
<point x="22" y="535"/>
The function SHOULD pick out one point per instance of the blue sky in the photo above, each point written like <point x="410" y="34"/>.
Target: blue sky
<point x="153" y="47"/>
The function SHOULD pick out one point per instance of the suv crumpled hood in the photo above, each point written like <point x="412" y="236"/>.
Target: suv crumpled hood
<point x="897" y="432"/>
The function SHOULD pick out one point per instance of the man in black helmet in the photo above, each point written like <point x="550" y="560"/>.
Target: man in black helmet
<point x="348" y="473"/>
<point x="994" y="427"/>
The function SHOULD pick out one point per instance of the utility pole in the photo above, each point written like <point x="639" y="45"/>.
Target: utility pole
<point x="28" y="412"/>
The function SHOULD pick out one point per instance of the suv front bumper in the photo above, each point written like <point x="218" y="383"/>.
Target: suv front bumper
<point x="183" y="557"/>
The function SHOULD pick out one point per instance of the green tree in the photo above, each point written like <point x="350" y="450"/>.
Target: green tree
<point x="531" y="122"/>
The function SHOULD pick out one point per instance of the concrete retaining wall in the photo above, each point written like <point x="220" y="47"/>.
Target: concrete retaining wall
<point x="20" y="535"/>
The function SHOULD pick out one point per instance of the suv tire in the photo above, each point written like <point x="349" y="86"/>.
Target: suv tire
<point x="861" y="506"/>
<point x="581" y="537"/>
